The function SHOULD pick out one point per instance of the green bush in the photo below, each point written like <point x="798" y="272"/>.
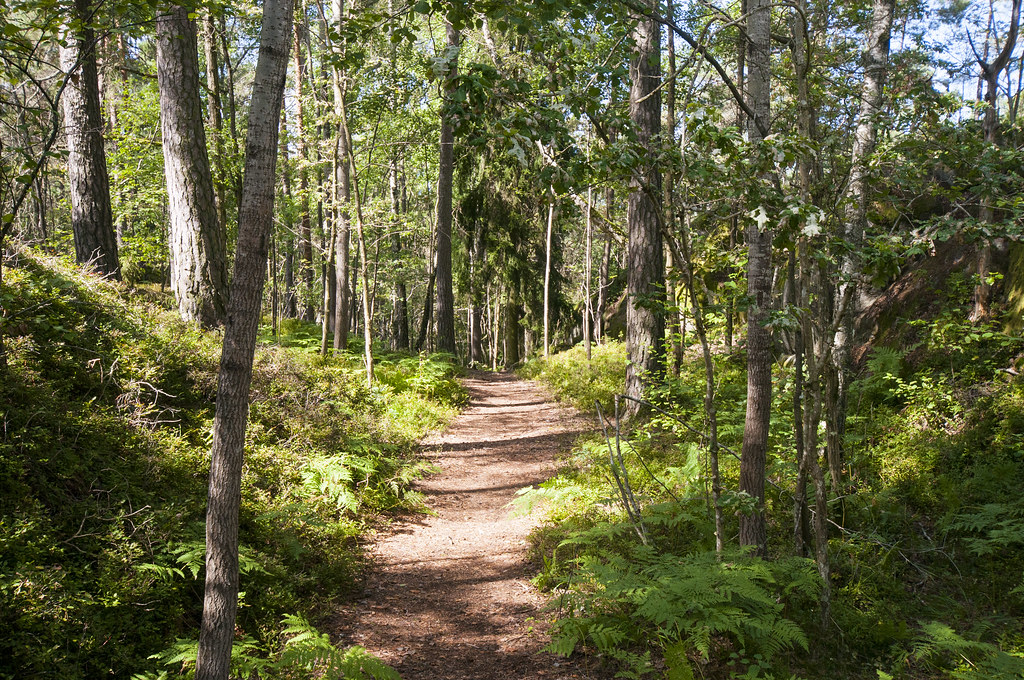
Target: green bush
<point x="579" y="382"/>
<point x="108" y="405"/>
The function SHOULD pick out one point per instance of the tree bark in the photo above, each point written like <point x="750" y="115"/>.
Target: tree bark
<point x="255" y="223"/>
<point x="990" y="129"/>
<point x="197" y="244"/>
<point x="88" y="183"/>
<point x="445" y="176"/>
<point x="547" y="271"/>
<point x="645" y="306"/>
<point x="753" y="531"/>
<point x="400" y="318"/>
<point x="876" y="58"/>
<point x="476" y="296"/>
<point x="305" y="228"/>
<point x="214" y="120"/>
<point x="342" y="194"/>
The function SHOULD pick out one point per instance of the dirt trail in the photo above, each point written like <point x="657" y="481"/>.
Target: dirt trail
<point x="449" y="597"/>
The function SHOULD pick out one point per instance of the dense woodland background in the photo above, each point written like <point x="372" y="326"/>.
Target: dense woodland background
<point x="786" y="234"/>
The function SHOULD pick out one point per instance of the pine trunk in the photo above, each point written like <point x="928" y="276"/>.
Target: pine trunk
<point x="197" y="244"/>
<point x="89" y="186"/>
<point x="645" y="306"/>
<point x="445" y="176"/>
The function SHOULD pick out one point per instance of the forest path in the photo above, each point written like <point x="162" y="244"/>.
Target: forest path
<point x="449" y="596"/>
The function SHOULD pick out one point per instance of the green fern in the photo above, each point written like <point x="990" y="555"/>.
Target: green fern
<point x="941" y="647"/>
<point x="683" y="603"/>
<point x="312" y="650"/>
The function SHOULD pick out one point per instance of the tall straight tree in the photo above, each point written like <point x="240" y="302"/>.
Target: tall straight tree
<point x="400" y="315"/>
<point x="342" y="190"/>
<point x="445" y="176"/>
<point x="214" y="120"/>
<point x="645" y="309"/>
<point x="255" y="222"/>
<point x="305" y="226"/>
<point x="876" y="59"/>
<point x="88" y="183"/>
<point x="753" y="531"/>
<point x="197" y="243"/>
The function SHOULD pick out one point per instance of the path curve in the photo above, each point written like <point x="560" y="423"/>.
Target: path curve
<point x="449" y="596"/>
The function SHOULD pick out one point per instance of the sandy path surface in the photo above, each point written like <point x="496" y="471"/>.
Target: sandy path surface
<point x="449" y="597"/>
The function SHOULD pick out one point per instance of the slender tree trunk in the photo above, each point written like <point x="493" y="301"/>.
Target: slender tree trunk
<point x="588" y="267"/>
<point x="197" y="244"/>
<point x="214" y="120"/>
<point x="229" y="70"/>
<point x="445" y="176"/>
<point x="401" y="296"/>
<point x="990" y="129"/>
<point x="255" y="222"/>
<point x="290" y="297"/>
<point x="876" y="57"/>
<point x="753" y="530"/>
<point x="305" y="226"/>
<point x="604" y="273"/>
<point x="477" y="252"/>
<point x="342" y="191"/>
<point x="645" y="304"/>
<point x="673" y="321"/>
<point x="363" y="261"/>
<point x="89" y="186"/>
<point x="428" y="308"/>
<point x="547" y="271"/>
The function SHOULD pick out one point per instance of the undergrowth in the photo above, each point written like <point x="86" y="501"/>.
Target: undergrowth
<point x="927" y="574"/>
<point x="107" y="411"/>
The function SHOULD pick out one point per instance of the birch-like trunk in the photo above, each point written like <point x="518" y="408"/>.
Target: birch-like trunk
<point x="753" y="530"/>
<point x="255" y="223"/>
<point x="876" y="57"/>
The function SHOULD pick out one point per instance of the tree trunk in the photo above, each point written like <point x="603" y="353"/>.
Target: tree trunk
<point x="445" y="176"/>
<point x="213" y="115"/>
<point x="645" y="305"/>
<point x="753" y="531"/>
<point x="88" y="183"/>
<point x="342" y="194"/>
<point x="476" y="296"/>
<point x="197" y="244"/>
<point x="604" y="272"/>
<point x="990" y="130"/>
<point x="876" y="58"/>
<point x="305" y="228"/>
<point x="255" y="223"/>
<point x="547" y="271"/>
<point x="400" y="323"/>
<point x="588" y="267"/>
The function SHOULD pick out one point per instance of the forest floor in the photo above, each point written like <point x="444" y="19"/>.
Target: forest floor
<point x="448" y="595"/>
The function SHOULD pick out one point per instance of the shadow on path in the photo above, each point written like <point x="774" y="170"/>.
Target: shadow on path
<point x="450" y="597"/>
